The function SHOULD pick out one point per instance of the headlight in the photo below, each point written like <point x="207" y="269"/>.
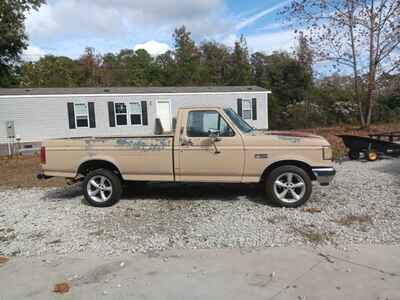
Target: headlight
<point x="327" y="153"/>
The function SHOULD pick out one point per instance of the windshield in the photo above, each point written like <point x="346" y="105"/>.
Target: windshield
<point x="239" y="122"/>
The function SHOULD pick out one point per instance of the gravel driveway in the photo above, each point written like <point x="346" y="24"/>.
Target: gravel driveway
<point x="362" y="206"/>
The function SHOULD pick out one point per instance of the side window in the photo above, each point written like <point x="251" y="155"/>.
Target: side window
<point x="201" y="122"/>
<point x="247" y="109"/>
<point x="121" y="114"/>
<point x="81" y="115"/>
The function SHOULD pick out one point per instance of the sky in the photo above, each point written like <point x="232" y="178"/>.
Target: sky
<point x="67" y="27"/>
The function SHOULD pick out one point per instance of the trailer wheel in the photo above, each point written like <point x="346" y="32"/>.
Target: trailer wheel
<point x="372" y="155"/>
<point x="354" y="155"/>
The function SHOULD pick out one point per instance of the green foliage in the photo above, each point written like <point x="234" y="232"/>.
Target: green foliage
<point x="240" y="68"/>
<point x="298" y="100"/>
<point x="288" y="79"/>
<point x="50" y="71"/>
<point x="187" y="58"/>
<point x="214" y="63"/>
<point x="13" y="39"/>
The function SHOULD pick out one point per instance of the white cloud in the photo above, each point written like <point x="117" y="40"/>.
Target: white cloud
<point x="33" y="53"/>
<point x="250" y="20"/>
<point x="122" y="18"/>
<point x="153" y="47"/>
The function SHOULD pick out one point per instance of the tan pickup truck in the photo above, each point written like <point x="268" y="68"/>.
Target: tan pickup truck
<point x="209" y="144"/>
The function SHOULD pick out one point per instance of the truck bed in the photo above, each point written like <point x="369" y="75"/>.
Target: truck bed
<point x="137" y="157"/>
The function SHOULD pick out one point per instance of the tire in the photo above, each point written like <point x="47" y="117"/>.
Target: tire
<point x="298" y="188"/>
<point x="371" y="155"/>
<point x="108" y="186"/>
<point x="354" y="155"/>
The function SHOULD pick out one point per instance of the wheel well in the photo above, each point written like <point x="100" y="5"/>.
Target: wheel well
<point x="92" y="165"/>
<point x="300" y="164"/>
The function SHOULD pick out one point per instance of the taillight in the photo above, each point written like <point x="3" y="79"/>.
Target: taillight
<point x="43" y="155"/>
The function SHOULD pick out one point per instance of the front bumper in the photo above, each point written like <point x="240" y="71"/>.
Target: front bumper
<point x="324" y="175"/>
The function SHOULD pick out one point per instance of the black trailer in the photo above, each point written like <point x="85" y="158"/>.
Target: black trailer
<point x="374" y="146"/>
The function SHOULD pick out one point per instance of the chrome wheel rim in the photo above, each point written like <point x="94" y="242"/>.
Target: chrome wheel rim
<point x="99" y="189"/>
<point x="289" y="187"/>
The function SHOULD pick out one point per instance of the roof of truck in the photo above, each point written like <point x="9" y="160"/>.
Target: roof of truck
<point x="130" y="90"/>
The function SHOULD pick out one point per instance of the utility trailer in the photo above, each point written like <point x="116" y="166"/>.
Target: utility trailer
<point x="374" y="146"/>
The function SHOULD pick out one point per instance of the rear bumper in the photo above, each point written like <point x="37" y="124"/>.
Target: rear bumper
<point x="324" y="175"/>
<point x="41" y="176"/>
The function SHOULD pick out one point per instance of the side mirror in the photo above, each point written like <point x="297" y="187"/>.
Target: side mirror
<point x="214" y="137"/>
<point x="214" y="134"/>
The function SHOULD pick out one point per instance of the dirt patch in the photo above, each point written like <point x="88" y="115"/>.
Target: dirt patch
<point x="61" y="288"/>
<point x="311" y="234"/>
<point x="354" y="219"/>
<point x="21" y="173"/>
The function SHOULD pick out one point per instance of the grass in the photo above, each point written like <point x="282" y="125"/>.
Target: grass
<point x="311" y="235"/>
<point x="354" y="219"/>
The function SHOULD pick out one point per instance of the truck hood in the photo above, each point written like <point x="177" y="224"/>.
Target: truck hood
<point x="285" y="138"/>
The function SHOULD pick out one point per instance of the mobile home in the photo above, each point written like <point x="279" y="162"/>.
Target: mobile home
<point x="29" y="116"/>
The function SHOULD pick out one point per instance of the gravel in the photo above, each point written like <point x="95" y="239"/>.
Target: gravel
<point x="362" y="206"/>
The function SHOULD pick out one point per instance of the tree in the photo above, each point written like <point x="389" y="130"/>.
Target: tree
<point x="214" y="63"/>
<point x="187" y="57"/>
<point x="50" y="71"/>
<point x="90" y="72"/>
<point x="240" y="68"/>
<point x="13" y="39"/>
<point x="168" y="69"/>
<point x="362" y="35"/>
<point x="288" y="80"/>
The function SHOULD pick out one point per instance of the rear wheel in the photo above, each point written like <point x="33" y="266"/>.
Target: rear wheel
<point x="288" y="186"/>
<point x="102" y="188"/>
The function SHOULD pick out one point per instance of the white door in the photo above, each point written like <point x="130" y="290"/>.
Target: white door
<point x="164" y="114"/>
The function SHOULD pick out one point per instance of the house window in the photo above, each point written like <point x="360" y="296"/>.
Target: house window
<point x="81" y="115"/>
<point x="136" y="113"/>
<point x="121" y="114"/>
<point x="128" y="114"/>
<point x="247" y="109"/>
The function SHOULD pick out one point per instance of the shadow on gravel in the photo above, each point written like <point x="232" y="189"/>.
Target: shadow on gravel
<point x="63" y="193"/>
<point x="392" y="167"/>
<point x="174" y="192"/>
<point x="194" y="192"/>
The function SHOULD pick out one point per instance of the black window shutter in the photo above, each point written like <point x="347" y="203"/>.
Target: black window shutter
<point x="111" y="114"/>
<point x="92" y="115"/>
<point x="145" y="117"/>
<point x="239" y="107"/>
<point x="71" y="115"/>
<point x="254" y="108"/>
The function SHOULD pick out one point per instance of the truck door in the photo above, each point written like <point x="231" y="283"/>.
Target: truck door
<point x="209" y="148"/>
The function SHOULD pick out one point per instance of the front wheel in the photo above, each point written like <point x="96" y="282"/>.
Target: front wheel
<point x="102" y="188"/>
<point x="288" y="186"/>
